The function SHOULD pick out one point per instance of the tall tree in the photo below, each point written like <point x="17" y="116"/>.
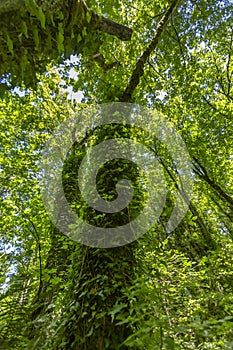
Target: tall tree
<point x="164" y="291"/>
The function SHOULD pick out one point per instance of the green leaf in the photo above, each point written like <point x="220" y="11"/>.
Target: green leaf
<point x="84" y="31"/>
<point x="79" y="38"/>
<point x="25" y="29"/>
<point x="36" y="37"/>
<point x="41" y="17"/>
<point x="32" y="6"/>
<point x="116" y="309"/>
<point x="51" y="19"/>
<point x="37" y="12"/>
<point x="88" y="17"/>
<point x="90" y="332"/>
<point x="60" y="38"/>
<point x="10" y="45"/>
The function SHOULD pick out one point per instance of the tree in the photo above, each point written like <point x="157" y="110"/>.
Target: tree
<point x="163" y="291"/>
<point x="42" y="31"/>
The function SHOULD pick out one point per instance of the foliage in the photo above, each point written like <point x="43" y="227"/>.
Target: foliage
<point x="40" y="32"/>
<point x="164" y="291"/>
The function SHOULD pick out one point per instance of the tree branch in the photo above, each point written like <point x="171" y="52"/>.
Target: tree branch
<point x="139" y="69"/>
<point x="202" y="173"/>
<point x="97" y="22"/>
<point x="192" y="208"/>
<point x="44" y="31"/>
<point x="113" y="28"/>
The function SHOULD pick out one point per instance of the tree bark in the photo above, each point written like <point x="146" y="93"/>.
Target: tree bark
<point x="21" y="7"/>
<point x="40" y="32"/>
<point x="139" y="69"/>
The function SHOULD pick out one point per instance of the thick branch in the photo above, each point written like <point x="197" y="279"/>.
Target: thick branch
<point x="202" y="173"/>
<point x="139" y="69"/>
<point x="44" y="31"/>
<point x="192" y="208"/>
<point x="98" y="22"/>
<point x="113" y="28"/>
